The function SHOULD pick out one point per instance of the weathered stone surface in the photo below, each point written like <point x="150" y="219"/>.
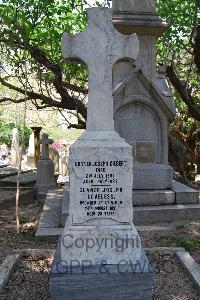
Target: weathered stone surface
<point x="136" y="6"/>
<point x="192" y="268"/>
<point x="137" y="16"/>
<point x="7" y="171"/>
<point x="152" y="177"/>
<point x="45" y="175"/>
<point x="100" y="161"/>
<point x="51" y="214"/>
<point x="6" y="268"/>
<point x="100" y="197"/>
<point x="25" y="197"/>
<point x="165" y="213"/>
<point x="185" y="194"/>
<point x="100" y="46"/>
<point x="65" y="205"/>
<point x="45" y="168"/>
<point x="143" y="103"/>
<point x="26" y="180"/>
<point x="122" y="281"/>
<point x="153" y="197"/>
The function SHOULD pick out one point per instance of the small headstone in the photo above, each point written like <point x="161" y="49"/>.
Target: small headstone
<point x="4" y="155"/>
<point x="54" y="156"/>
<point x="36" y="131"/>
<point x="15" y="149"/>
<point x="31" y="151"/>
<point x="45" y="168"/>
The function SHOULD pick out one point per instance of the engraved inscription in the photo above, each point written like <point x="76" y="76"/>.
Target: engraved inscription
<point x="146" y="152"/>
<point x="100" y="187"/>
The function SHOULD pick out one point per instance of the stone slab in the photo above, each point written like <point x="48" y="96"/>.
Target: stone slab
<point x="25" y="197"/>
<point x="3" y="166"/>
<point x="26" y="179"/>
<point x="165" y="213"/>
<point x="164" y="250"/>
<point x="152" y="177"/>
<point x="185" y="194"/>
<point x="146" y="215"/>
<point x="151" y="228"/>
<point x="49" y="233"/>
<point x="89" y="283"/>
<point x="191" y="267"/>
<point x="6" y="268"/>
<point x="46" y="179"/>
<point x="151" y="197"/>
<point x="7" y="171"/>
<point x="65" y="205"/>
<point x="55" y="233"/>
<point x="51" y="214"/>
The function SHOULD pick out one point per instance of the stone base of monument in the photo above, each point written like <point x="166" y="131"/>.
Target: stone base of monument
<point x="76" y="280"/>
<point x="152" y="176"/>
<point x="45" y="176"/>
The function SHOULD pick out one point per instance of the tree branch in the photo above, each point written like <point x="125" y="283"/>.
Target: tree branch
<point x="197" y="49"/>
<point x="76" y="88"/>
<point x="8" y="99"/>
<point x="40" y="57"/>
<point x="184" y="92"/>
<point x="71" y="105"/>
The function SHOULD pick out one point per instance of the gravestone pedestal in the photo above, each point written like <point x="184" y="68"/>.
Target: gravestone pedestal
<point x="45" y="168"/>
<point x="100" y="198"/>
<point x="45" y="176"/>
<point x="125" y="280"/>
<point x="99" y="255"/>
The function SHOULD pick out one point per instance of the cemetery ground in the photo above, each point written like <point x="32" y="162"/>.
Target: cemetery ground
<point x="32" y="271"/>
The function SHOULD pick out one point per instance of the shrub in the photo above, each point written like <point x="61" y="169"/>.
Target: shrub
<point x="6" y="133"/>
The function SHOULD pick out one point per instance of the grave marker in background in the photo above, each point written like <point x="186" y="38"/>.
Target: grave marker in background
<point x="15" y="148"/>
<point x="45" y="168"/>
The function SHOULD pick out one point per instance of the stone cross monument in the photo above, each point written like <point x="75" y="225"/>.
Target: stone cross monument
<point x="101" y="176"/>
<point x="45" y="168"/>
<point x="45" y="141"/>
<point x="99" y="47"/>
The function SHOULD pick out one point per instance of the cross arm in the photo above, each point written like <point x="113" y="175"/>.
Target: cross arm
<point x="70" y="47"/>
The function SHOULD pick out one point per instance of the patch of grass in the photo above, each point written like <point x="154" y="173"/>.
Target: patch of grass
<point x="7" y="218"/>
<point x="189" y="243"/>
<point x="197" y="229"/>
<point x="180" y="226"/>
<point x="26" y="235"/>
<point x="23" y="219"/>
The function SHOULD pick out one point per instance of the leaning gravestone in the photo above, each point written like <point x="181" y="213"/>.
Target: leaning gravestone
<point x="45" y="168"/>
<point x="15" y="149"/>
<point x="31" y="151"/>
<point x="99" y="231"/>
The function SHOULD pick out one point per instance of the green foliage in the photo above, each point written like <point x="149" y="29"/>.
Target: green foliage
<point x="6" y="133"/>
<point x="59" y="133"/>
<point x="180" y="226"/>
<point x="36" y="23"/>
<point x="40" y="23"/>
<point x="189" y="243"/>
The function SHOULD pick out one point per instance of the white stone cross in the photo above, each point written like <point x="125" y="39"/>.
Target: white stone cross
<point x="99" y="47"/>
<point x="45" y="141"/>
